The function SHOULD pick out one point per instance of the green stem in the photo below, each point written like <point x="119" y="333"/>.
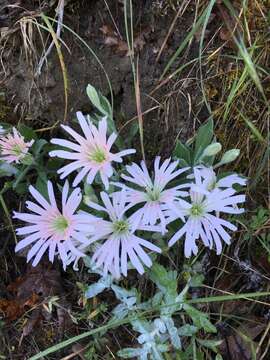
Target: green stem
<point x="21" y="176"/>
<point x="6" y="211"/>
<point x="57" y="347"/>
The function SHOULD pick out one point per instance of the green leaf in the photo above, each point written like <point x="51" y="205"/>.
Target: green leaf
<point x="99" y="101"/>
<point x="211" y="344"/>
<point x="41" y="184"/>
<point x="21" y="188"/>
<point x="204" y="137"/>
<point x="200" y="319"/>
<point x="105" y="105"/>
<point x="132" y="132"/>
<point x="196" y="280"/>
<point x="27" y="159"/>
<point x="183" y="163"/>
<point x="38" y="146"/>
<point x="95" y="289"/>
<point x="182" y="151"/>
<point x="187" y="330"/>
<point x="165" y="280"/>
<point x="93" y="96"/>
<point x="27" y="132"/>
<point x="129" y="353"/>
<point x="174" y="336"/>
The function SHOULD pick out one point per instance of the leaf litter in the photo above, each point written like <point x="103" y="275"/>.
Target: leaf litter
<point x="33" y="296"/>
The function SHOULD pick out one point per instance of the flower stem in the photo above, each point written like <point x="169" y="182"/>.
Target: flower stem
<point x="21" y="176"/>
<point x="4" y="206"/>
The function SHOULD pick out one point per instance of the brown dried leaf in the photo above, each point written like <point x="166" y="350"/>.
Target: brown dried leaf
<point x="32" y="291"/>
<point x="238" y="346"/>
<point x="112" y="39"/>
<point x="15" y="308"/>
<point x="11" y="309"/>
<point x="107" y="30"/>
<point x="41" y="280"/>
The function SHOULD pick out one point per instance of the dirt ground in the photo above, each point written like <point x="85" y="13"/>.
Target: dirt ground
<point x="39" y="99"/>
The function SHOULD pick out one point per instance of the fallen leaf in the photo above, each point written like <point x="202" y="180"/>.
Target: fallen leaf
<point x="113" y="39"/>
<point x="31" y="293"/>
<point x="11" y="309"/>
<point x="241" y="345"/>
<point x="14" y="308"/>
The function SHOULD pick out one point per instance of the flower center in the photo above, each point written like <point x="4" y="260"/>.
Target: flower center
<point x="196" y="210"/>
<point x="17" y="150"/>
<point x="60" y="224"/>
<point x="153" y="194"/>
<point x="98" y="155"/>
<point x="120" y="226"/>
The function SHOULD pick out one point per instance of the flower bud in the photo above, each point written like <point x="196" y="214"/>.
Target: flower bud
<point x="212" y="149"/>
<point x="230" y="156"/>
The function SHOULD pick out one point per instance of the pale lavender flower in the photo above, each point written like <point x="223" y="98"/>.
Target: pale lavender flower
<point x="60" y="232"/>
<point x="14" y="148"/>
<point x="153" y="193"/>
<point x="75" y="257"/>
<point x="92" y="153"/>
<point x="203" y="221"/>
<point x="118" y="234"/>
<point x="206" y="179"/>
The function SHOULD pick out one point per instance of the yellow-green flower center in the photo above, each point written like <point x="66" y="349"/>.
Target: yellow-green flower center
<point x="153" y="194"/>
<point x="120" y="226"/>
<point x="196" y="210"/>
<point x="98" y="155"/>
<point x="17" y="150"/>
<point x="60" y="224"/>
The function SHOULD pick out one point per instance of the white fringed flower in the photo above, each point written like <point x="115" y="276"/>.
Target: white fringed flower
<point x="153" y="194"/>
<point x="206" y="178"/>
<point x="14" y="148"/>
<point x="60" y="232"/>
<point x="117" y="234"/>
<point x="202" y="216"/>
<point x="92" y="153"/>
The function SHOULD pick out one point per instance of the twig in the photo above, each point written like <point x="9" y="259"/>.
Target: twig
<point x="60" y="13"/>
<point x="263" y="338"/>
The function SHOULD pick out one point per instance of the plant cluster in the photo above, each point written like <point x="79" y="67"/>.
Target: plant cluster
<point x="119" y="217"/>
<point x="165" y="321"/>
<point x="122" y="209"/>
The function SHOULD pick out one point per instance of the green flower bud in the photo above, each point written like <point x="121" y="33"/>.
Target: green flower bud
<point x="212" y="149"/>
<point x="230" y="156"/>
